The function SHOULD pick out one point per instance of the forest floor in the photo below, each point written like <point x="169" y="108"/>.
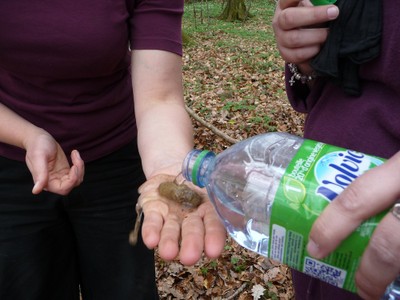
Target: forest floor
<point x="234" y="89"/>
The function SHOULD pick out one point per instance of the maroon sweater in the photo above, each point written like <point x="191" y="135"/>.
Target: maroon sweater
<point x="64" y="66"/>
<point x="369" y="123"/>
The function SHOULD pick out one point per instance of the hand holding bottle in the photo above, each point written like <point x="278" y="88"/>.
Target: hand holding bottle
<point x="270" y="189"/>
<point x="298" y="32"/>
<point x="373" y="192"/>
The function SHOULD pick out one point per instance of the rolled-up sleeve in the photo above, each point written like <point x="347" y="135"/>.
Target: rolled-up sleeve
<point x="157" y="24"/>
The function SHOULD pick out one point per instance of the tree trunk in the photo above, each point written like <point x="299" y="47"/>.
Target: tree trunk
<point x="234" y="10"/>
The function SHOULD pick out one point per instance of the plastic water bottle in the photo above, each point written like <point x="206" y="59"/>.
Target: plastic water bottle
<point x="242" y="182"/>
<point x="269" y="189"/>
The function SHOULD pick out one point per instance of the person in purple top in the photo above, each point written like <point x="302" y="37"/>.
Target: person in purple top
<point x="91" y="106"/>
<point x="368" y="122"/>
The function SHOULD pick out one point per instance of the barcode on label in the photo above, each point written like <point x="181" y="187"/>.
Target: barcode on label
<point x="325" y="272"/>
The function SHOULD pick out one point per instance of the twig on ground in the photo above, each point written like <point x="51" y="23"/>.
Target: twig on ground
<point x="210" y="126"/>
<point x="238" y="291"/>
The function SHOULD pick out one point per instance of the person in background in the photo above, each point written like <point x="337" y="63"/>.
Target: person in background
<point x="91" y="106"/>
<point x="352" y="100"/>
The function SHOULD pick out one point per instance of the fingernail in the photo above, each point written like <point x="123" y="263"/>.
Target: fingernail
<point x="312" y="248"/>
<point x="34" y="188"/>
<point x="332" y="12"/>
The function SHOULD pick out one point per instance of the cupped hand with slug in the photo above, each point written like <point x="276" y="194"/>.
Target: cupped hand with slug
<point x="179" y="228"/>
<point x="300" y="30"/>
<point x="49" y="165"/>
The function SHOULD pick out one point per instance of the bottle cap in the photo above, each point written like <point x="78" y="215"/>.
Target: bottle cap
<point x="322" y="2"/>
<point x="197" y="164"/>
<point x="193" y="167"/>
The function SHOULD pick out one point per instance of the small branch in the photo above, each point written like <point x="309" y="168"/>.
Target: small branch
<point x="238" y="291"/>
<point x="209" y="126"/>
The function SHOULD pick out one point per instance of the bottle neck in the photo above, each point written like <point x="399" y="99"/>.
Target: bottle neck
<point x="195" y="166"/>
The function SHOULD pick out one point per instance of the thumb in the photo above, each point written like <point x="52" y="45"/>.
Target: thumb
<point x="40" y="175"/>
<point x="38" y="187"/>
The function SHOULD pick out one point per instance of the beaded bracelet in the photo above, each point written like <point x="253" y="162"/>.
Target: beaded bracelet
<point x="297" y="76"/>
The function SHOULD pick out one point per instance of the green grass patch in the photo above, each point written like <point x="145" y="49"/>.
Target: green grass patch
<point x="201" y="18"/>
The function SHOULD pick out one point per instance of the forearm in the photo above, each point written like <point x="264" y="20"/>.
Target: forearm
<point x="164" y="128"/>
<point x="15" y="130"/>
<point x="164" y="137"/>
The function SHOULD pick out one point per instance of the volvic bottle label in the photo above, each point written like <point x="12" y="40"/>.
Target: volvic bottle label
<point x="315" y="176"/>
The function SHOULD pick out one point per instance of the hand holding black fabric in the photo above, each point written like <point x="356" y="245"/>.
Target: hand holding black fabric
<point x="354" y="38"/>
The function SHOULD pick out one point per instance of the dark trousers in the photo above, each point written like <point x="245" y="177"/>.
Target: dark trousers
<point x="52" y="246"/>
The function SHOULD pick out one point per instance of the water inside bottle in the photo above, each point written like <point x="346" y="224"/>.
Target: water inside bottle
<point x="244" y="205"/>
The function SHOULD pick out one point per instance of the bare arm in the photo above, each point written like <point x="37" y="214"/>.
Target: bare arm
<point x="165" y="133"/>
<point x="15" y="130"/>
<point x="165" y="137"/>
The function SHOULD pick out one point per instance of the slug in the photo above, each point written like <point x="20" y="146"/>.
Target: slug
<point x="179" y="193"/>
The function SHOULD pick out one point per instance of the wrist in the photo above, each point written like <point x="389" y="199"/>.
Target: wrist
<point x="31" y="135"/>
